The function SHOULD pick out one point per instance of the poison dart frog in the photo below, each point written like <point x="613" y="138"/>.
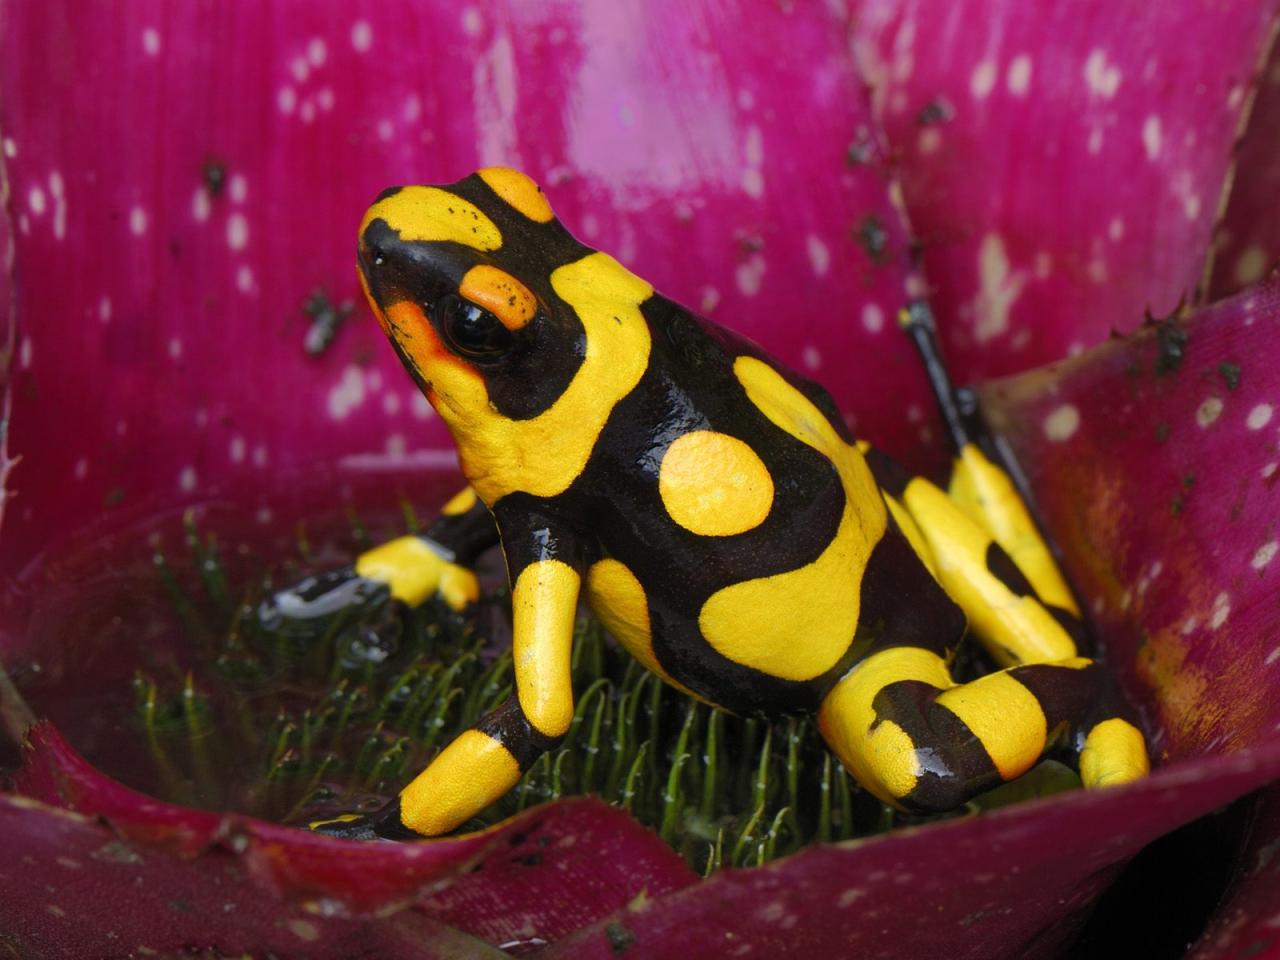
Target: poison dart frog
<point x="712" y="509"/>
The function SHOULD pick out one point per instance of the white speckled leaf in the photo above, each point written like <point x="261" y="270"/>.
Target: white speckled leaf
<point x="1154" y="462"/>
<point x="1062" y="164"/>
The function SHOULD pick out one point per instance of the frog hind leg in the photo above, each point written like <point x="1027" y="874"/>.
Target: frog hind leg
<point x="408" y="571"/>
<point x="919" y="741"/>
<point x="922" y="743"/>
<point x="898" y="721"/>
<point x="953" y="741"/>
<point x="472" y="772"/>
<point x="981" y="487"/>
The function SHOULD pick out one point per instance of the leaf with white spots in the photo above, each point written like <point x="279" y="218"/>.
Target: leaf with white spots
<point x="1154" y="471"/>
<point x="1108" y="113"/>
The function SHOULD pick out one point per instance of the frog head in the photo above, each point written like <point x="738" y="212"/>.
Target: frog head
<point x="520" y="337"/>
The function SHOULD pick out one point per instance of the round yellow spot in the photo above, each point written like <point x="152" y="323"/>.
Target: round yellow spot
<point x="714" y="485"/>
<point x="520" y="192"/>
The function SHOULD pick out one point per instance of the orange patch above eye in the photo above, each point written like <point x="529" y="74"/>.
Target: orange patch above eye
<point x="501" y="294"/>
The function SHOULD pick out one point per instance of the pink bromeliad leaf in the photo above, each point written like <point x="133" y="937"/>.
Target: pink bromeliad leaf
<point x="1062" y="166"/>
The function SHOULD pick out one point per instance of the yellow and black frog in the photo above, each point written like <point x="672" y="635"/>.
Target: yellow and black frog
<point x="711" y="508"/>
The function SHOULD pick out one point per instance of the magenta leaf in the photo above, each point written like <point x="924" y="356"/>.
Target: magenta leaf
<point x="75" y="888"/>
<point x="1014" y="883"/>
<point x="1063" y="167"/>
<point x="538" y="876"/>
<point x="1245" y="925"/>
<point x="1247" y="246"/>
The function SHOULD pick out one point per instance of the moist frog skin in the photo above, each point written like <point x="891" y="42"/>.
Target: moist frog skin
<point x="713" y="511"/>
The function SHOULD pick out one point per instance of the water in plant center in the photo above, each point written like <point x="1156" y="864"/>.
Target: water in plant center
<point x="145" y="647"/>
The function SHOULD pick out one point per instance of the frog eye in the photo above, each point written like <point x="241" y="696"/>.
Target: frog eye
<point x="469" y="330"/>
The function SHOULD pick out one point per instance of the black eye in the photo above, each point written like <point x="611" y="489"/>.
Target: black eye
<point x="471" y="330"/>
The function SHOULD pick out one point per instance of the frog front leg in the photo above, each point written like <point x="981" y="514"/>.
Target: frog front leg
<point x="545" y="565"/>
<point x="408" y="570"/>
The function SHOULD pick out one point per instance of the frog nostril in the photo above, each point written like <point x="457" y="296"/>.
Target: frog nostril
<point x="372" y="253"/>
<point x="376" y="244"/>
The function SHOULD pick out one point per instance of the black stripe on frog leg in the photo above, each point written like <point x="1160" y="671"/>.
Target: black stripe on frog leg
<point x="508" y="725"/>
<point x="1001" y="566"/>
<point x="952" y="762"/>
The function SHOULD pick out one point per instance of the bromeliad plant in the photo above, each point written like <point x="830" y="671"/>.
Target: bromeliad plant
<point x="181" y="181"/>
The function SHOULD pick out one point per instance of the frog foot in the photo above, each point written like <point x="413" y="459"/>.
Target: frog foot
<point x="309" y="606"/>
<point x="384" y="824"/>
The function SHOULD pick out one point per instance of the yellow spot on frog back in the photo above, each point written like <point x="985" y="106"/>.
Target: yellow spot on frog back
<point x="431" y="214"/>
<point x="519" y="191"/>
<point x="797" y="624"/>
<point x="501" y="294"/>
<point x="714" y="485"/>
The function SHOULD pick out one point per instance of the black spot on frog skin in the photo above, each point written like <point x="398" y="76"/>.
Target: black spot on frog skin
<point x="388" y="193"/>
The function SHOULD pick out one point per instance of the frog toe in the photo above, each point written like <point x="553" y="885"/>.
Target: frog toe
<point x="384" y="824"/>
<point x="1114" y="753"/>
<point x="309" y="605"/>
